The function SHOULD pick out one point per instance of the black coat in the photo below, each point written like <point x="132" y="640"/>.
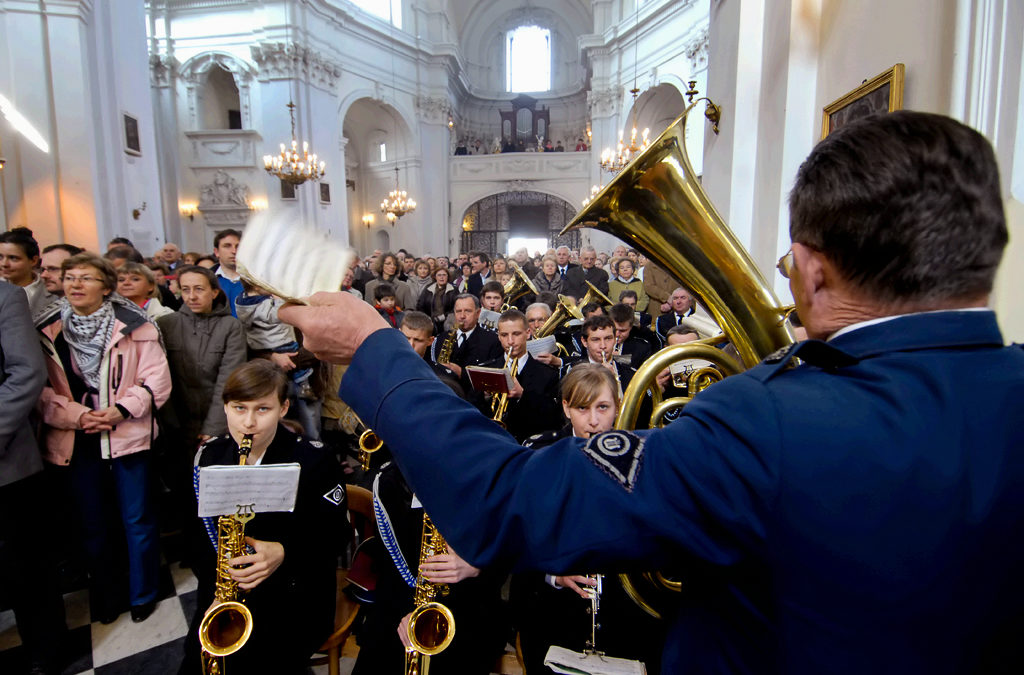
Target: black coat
<point x="481" y="345"/>
<point x="293" y="609"/>
<point x="576" y="277"/>
<point x="666" y="322"/>
<point x="425" y="304"/>
<point x="538" y="408"/>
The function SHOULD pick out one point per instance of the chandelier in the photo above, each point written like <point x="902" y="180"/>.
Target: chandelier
<point x="614" y="161"/>
<point x="289" y="165"/>
<point x="398" y="203"/>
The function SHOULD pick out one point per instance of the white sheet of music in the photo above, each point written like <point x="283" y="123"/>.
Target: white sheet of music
<point x="267" y="488"/>
<point x="291" y="260"/>
<point x="544" y="345"/>
<point x="568" y="662"/>
<point x="489" y="319"/>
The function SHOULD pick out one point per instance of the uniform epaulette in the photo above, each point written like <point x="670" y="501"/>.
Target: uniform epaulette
<point x="814" y="352"/>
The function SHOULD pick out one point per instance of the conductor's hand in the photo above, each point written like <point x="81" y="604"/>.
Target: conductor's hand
<point x="268" y="557"/>
<point x="334" y="325"/>
<point x="574" y="582"/>
<point x="447" y="568"/>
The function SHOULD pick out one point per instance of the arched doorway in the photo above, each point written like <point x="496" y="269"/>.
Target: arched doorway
<point x="488" y="224"/>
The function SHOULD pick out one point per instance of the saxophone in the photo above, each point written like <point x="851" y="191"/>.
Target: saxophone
<point x="445" y="355"/>
<point x="227" y="625"/>
<point x="431" y="625"/>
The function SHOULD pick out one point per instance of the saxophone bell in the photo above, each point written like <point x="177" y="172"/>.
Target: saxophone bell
<point x="431" y="625"/>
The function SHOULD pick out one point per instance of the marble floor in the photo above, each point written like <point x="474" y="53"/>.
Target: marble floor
<point x="153" y="647"/>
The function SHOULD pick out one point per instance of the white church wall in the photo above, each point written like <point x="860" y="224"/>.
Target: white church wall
<point x="72" y="70"/>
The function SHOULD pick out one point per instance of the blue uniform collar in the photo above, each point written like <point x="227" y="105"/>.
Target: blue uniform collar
<point x="929" y="330"/>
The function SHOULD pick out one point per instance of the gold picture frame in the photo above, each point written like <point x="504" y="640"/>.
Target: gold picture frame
<point x="882" y="93"/>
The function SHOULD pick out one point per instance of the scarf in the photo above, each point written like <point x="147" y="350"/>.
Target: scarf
<point x="88" y="336"/>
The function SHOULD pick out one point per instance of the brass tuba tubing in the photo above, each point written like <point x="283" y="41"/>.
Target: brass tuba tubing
<point x="657" y="204"/>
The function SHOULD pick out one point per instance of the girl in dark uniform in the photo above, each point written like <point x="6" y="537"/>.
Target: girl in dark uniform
<point x="553" y="610"/>
<point x="288" y="582"/>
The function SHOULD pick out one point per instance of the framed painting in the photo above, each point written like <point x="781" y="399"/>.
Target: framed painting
<point x="325" y="193"/>
<point x="132" y="141"/>
<point x="883" y="93"/>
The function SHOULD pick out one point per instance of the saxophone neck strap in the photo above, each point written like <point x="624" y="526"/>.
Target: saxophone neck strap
<point x="388" y="538"/>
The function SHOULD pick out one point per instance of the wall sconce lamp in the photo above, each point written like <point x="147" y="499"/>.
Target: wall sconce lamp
<point x="259" y="204"/>
<point x="451" y="122"/>
<point x="138" y="212"/>
<point x="368" y="220"/>
<point x="712" y="111"/>
<point x="188" y="210"/>
<point x="3" y="161"/>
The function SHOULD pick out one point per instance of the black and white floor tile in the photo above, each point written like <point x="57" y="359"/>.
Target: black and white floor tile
<point x="153" y="647"/>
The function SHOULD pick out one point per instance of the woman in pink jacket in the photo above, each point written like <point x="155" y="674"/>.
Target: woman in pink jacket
<point x="107" y="373"/>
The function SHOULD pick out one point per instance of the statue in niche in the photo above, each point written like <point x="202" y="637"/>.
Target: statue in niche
<point x="224" y="191"/>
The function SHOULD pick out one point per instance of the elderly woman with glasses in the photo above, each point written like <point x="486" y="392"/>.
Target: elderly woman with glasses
<point x="107" y="374"/>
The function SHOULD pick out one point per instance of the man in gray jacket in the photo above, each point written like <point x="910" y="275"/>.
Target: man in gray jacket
<point x="26" y="573"/>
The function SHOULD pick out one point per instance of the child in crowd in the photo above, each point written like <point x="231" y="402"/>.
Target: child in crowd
<point x="265" y="332"/>
<point x="387" y="305"/>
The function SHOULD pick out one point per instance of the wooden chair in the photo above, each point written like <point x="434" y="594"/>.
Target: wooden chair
<point x="360" y="509"/>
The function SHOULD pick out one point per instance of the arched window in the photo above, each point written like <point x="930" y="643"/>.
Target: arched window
<point x="389" y="10"/>
<point x="528" y="59"/>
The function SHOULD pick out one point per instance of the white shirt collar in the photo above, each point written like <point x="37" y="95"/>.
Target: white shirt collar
<point x="227" y="274"/>
<point x="873" y="322"/>
<point x="522" y="362"/>
<point x="467" y="333"/>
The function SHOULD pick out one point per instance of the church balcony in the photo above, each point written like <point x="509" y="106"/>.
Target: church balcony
<point x="521" y="166"/>
<point x="224" y="149"/>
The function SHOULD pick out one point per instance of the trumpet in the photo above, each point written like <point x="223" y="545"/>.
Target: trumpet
<point x="431" y="625"/>
<point x="227" y="625"/>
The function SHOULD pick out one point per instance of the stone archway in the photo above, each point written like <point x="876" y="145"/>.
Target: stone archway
<point x="489" y="222"/>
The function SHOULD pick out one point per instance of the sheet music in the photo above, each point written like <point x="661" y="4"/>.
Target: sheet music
<point x="268" y="487"/>
<point x="568" y="662"/>
<point x="544" y="345"/>
<point x="489" y="319"/>
<point x="687" y="366"/>
<point x="291" y="260"/>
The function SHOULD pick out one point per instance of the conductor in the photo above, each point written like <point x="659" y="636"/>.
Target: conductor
<point x="857" y="511"/>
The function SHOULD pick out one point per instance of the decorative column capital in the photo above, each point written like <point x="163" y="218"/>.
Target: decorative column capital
<point x="162" y="69"/>
<point x="290" y="60"/>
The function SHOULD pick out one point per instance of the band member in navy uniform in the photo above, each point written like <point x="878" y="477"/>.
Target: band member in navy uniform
<point x="857" y="511"/>
<point x="553" y="609"/>
<point x="288" y="582"/>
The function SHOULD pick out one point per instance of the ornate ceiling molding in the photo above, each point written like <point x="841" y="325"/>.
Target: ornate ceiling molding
<point x="290" y="60"/>
<point x="696" y="49"/>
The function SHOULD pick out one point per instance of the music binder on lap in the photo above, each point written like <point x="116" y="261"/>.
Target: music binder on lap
<point x="490" y="380"/>
<point x="266" y="488"/>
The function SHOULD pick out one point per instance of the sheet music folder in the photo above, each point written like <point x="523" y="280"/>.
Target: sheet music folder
<point x="568" y="662"/>
<point x="267" y="488"/>
<point x="490" y="380"/>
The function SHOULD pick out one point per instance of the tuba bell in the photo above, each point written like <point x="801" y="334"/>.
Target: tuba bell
<point x="657" y="205"/>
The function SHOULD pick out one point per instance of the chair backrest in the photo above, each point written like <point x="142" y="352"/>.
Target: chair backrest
<point x="360" y="512"/>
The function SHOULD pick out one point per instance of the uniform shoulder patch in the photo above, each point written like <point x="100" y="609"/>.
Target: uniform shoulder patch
<point x="618" y="454"/>
<point x="336" y="495"/>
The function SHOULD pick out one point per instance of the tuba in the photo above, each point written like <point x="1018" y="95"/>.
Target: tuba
<point x="432" y="625"/>
<point x="516" y="287"/>
<point x="227" y="625"/>
<point x="657" y="204"/>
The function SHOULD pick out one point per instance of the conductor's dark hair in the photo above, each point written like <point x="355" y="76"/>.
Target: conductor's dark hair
<point x="596" y="322"/>
<point x="906" y="205"/>
<point x="254" y="380"/>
